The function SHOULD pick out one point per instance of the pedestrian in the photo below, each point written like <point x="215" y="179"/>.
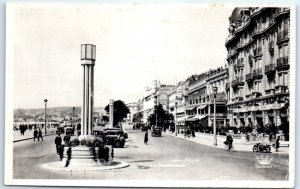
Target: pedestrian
<point x="58" y="141"/>
<point x="229" y="141"/>
<point x="146" y="138"/>
<point x="40" y="135"/>
<point x="61" y="149"/>
<point x="35" y="134"/>
<point x="69" y="155"/>
<point x="67" y="139"/>
<point x="277" y="143"/>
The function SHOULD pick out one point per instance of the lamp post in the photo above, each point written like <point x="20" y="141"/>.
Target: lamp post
<point x="215" y="90"/>
<point x="73" y="119"/>
<point x="45" y="102"/>
<point x="176" y="103"/>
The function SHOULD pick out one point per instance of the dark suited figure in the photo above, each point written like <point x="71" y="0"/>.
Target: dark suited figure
<point x="40" y="135"/>
<point x="35" y="134"/>
<point x="146" y="138"/>
<point x="58" y="141"/>
<point x="69" y="155"/>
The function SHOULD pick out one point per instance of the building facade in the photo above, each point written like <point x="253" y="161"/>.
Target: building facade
<point x="177" y="102"/>
<point x="258" y="65"/>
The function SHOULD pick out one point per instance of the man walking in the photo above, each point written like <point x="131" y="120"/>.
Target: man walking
<point x="146" y="138"/>
<point x="58" y="141"/>
<point x="40" y="135"/>
<point x="35" y="134"/>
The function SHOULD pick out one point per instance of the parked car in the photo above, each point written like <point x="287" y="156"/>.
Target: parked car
<point x="156" y="131"/>
<point x="116" y="131"/>
<point x="114" y="137"/>
<point x="60" y="130"/>
<point x="69" y="130"/>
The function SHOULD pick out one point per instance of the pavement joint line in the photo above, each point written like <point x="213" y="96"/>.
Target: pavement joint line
<point x="19" y="140"/>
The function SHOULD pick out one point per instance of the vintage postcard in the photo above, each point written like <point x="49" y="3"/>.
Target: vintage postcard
<point x="150" y="95"/>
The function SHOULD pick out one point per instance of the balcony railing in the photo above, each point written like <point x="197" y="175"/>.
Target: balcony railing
<point x="257" y="73"/>
<point x="257" y="52"/>
<point x="282" y="63"/>
<point x="249" y="77"/>
<point x="282" y="36"/>
<point x="270" y="68"/>
<point x="271" y="46"/>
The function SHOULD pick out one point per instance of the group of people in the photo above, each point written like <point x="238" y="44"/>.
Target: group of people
<point x="37" y="134"/>
<point x="60" y="147"/>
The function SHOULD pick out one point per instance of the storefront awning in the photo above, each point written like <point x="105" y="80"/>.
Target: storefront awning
<point x="202" y="106"/>
<point x="190" y="108"/>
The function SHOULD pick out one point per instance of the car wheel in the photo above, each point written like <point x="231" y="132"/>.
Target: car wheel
<point x="117" y="144"/>
<point x="255" y="149"/>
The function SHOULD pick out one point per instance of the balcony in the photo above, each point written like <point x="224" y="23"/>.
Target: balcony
<point x="257" y="52"/>
<point x="270" y="69"/>
<point x="281" y="11"/>
<point x="281" y="88"/>
<point x="282" y="63"/>
<point x="249" y="77"/>
<point x="257" y="74"/>
<point x="282" y="37"/>
<point x="270" y="91"/>
<point x="271" y="46"/>
<point x="256" y="94"/>
<point x="239" y="98"/>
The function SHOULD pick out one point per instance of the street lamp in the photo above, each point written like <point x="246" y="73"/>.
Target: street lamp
<point x="73" y="118"/>
<point x="45" y="102"/>
<point x="176" y="103"/>
<point x="215" y="90"/>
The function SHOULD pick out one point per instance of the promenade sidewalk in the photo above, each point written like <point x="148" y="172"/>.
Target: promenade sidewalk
<point x="29" y="134"/>
<point x="239" y="144"/>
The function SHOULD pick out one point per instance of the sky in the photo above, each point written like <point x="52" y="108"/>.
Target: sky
<point x="135" y="44"/>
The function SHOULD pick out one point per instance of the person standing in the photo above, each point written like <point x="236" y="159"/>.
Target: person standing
<point x="58" y="141"/>
<point x="67" y="139"/>
<point x="146" y="138"/>
<point x="40" y="135"/>
<point x="229" y="141"/>
<point x="277" y="143"/>
<point x="35" y="134"/>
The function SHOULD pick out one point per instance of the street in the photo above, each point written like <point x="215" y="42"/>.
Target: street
<point x="164" y="157"/>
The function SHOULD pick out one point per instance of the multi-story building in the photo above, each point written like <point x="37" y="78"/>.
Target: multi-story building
<point x="161" y="95"/>
<point x="217" y="78"/>
<point x="149" y="101"/>
<point x="258" y="65"/>
<point x="133" y="110"/>
<point x="196" y="105"/>
<point x="177" y="101"/>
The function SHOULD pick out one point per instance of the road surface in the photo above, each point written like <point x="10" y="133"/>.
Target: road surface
<point x="163" y="158"/>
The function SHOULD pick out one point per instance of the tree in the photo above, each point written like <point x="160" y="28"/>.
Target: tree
<point x="137" y="118"/>
<point x="162" y="117"/>
<point x="120" y="111"/>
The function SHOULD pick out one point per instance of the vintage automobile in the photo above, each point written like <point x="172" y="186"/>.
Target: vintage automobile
<point x="69" y="130"/>
<point x="156" y="131"/>
<point x="60" y="130"/>
<point x="116" y="131"/>
<point x="114" y="137"/>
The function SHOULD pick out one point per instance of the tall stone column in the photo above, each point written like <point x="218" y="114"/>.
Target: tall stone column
<point x="88" y="58"/>
<point x="111" y="113"/>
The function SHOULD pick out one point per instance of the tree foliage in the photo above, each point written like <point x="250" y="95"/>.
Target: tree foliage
<point x="163" y="117"/>
<point x="137" y="118"/>
<point x="120" y="111"/>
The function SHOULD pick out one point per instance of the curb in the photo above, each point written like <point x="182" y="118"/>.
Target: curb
<point x="84" y="168"/>
<point x="31" y="138"/>
<point x="283" y="153"/>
